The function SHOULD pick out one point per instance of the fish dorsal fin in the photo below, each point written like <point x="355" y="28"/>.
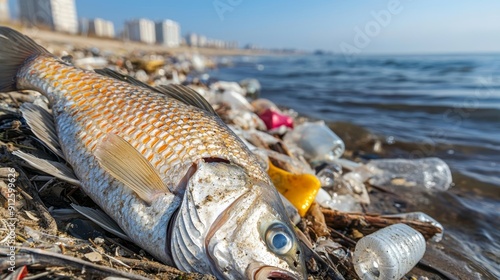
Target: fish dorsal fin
<point x="53" y="168"/>
<point x="122" y="77"/>
<point x="187" y="95"/>
<point x="181" y="93"/>
<point x="130" y="167"/>
<point x="42" y="125"/>
<point x="101" y="219"/>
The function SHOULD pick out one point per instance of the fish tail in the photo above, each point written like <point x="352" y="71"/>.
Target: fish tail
<point x="15" y="49"/>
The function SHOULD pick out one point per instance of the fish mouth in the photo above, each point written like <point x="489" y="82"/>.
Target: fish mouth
<point x="271" y="272"/>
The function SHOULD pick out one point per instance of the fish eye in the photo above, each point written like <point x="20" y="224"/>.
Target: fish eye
<point x="279" y="239"/>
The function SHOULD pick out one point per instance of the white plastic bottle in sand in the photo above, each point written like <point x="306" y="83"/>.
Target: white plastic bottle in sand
<point x="388" y="253"/>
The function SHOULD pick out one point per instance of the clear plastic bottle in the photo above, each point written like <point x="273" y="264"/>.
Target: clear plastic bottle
<point x="429" y="173"/>
<point x="316" y="140"/>
<point x="388" y="253"/>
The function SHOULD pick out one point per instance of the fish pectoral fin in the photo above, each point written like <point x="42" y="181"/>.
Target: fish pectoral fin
<point x="182" y="93"/>
<point x="54" y="168"/>
<point x="43" y="126"/>
<point x="101" y="219"/>
<point x="130" y="167"/>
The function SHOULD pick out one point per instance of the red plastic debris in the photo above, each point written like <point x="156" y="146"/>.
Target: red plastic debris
<point x="274" y="119"/>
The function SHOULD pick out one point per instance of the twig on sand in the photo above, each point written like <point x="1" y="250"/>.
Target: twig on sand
<point x="29" y="256"/>
<point x="151" y="266"/>
<point x="368" y="223"/>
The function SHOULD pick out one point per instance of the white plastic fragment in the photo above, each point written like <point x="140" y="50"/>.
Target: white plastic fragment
<point x="223" y="86"/>
<point x="342" y="202"/>
<point x="236" y="100"/>
<point x="93" y="256"/>
<point x="322" y="196"/>
<point x="388" y="253"/>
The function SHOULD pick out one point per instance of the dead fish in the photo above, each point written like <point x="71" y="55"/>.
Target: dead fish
<point x="171" y="174"/>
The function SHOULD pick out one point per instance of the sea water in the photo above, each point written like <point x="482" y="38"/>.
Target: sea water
<point x="445" y="106"/>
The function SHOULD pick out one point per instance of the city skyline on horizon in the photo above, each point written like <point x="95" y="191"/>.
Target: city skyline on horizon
<point x="379" y="27"/>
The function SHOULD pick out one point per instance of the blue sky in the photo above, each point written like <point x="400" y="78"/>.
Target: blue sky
<point x="363" y="26"/>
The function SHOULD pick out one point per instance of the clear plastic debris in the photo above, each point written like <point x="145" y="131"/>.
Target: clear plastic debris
<point x="428" y="173"/>
<point x="316" y="140"/>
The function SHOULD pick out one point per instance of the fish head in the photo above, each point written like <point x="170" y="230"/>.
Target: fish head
<point x="250" y="236"/>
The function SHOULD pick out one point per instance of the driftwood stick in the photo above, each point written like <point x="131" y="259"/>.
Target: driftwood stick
<point x="318" y="220"/>
<point x="29" y="256"/>
<point x="369" y="223"/>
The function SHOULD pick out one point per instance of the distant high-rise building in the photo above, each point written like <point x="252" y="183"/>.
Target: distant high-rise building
<point x="168" y="33"/>
<point x="231" y="45"/>
<point x="141" y="30"/>
<point x="192" y="40"/>
<point x="202" y="41"/>
<point x="4" y="10"/>
<point x="59" y="15"/>
<point x="101" y="28"/>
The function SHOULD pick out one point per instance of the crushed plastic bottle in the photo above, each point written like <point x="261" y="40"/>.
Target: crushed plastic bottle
<point x="388" y="253"/>
<point x="316" y="140"/>
<point x="429" y="173"/>
<point x="421" y="217"/>
<point x="347" y="192"/>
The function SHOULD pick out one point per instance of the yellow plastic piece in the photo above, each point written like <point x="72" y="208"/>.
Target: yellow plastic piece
<point x="299" y="189"/>
<point x="152" y="65"/>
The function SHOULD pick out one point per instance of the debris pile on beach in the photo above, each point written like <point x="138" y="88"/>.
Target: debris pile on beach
<point x="336" y="197"/>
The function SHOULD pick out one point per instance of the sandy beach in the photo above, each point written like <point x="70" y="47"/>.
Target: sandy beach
<point x="120" y="46"/>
